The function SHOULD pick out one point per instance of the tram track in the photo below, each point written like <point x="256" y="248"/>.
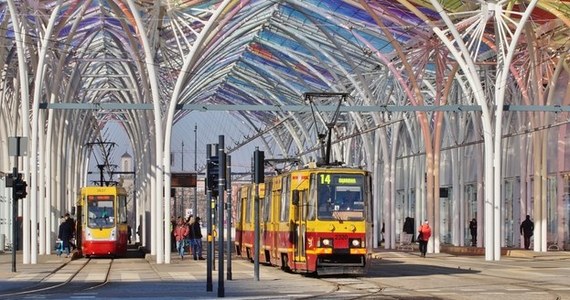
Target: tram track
<point x="52" y="283"/>
<point x="493" y="284"/>
<point x="349" y="288"/>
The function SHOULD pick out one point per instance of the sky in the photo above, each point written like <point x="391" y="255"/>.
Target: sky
<point x="210" y="125"/>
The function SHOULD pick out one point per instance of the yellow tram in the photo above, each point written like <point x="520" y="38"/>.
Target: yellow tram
<point x="312" y="220"/>
<point x="103" y="221"/>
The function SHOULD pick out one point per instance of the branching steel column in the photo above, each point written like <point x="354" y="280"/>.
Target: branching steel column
<point x="162" y="213"/>
<point x="38" y="89"/>
<point x="504" y="60"/>
<point x="19" y="35"/>
<point x="463" y="57"/>
<point x="188" y="64"/>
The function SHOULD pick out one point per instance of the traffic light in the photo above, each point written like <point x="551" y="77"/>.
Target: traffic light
<point x="19" y="187"/>
<point x="213" y="175"/>
<point x="258" y="166"/>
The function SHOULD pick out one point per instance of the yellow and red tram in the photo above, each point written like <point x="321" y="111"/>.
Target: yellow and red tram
<point x="312" y="220"/>
<point x="103" y="221"/>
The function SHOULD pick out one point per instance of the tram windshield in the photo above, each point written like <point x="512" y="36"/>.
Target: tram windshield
<point x="100" y="211"/>
<point x="340" y="197"/>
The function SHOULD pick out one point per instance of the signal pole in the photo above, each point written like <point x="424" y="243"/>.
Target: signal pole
<point x="17" y="146"/>
<point x="182" y="207"/>
<point x="221" y="188"/>
<point x="209" y="253"/>
<point x="229" y="215"/>
<point x="14" y="215"/>
<point x="196" y="169"/>
<point x="258" y="177"/>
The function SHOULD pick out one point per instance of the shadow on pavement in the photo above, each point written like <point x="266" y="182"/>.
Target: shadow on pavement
<point x="395" y="268"/>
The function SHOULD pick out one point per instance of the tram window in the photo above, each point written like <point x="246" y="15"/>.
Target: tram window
<point x="349" y="198"/>
<point x="340" y="196"/>
<point x="101" y="212"/>
<point x="325" y="203"/>
<point x="239" y="207"/>
<point x="285" y="204"/>
<point x="248" y="206"/>
<point x="312" y="200"/>
<point x="276" y="200"/>
<point x="267" y="202"/>
<point x="122" y="209"/>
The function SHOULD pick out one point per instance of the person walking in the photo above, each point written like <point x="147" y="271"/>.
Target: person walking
<point x="65" y="234"/>
<point x="196" y="233"/>
<point x="473" y="230"/>
<point x="59" y="242"/>
<point x="424" y="233"/>
<point x="173" y="224"/>
<point x="180" y="234"/>
<point x="191" y="239"/>
<point x="409" y="227"/>
<point x="73" y="226"/>
<point x="527" y="230"/>
<point x="129" y="234"/>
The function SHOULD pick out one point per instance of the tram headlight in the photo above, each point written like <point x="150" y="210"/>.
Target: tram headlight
<point x="355" y="243"/>
<point x="326" y="242"/>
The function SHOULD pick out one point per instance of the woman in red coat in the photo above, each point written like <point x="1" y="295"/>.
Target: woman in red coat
<point x="180" y="233"/>
<point x="423" y="237"/>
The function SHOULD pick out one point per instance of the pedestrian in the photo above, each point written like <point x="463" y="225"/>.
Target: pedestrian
<point x="73" y="225"/>
<point x="65" y="234"/>
<point x="197" y="239"/>
<point x="139" y="232"/>
<point x="173" y="225"/>
<point x="527" y="230"/>
<point x="473" y="230"/>
<point x="424" y="233"/>
<point x="129" y="234"/>
<point x="409" y="226"/>
<point x="180" y="233"/>
<point x="190" y="221"/>
<point x="59" y="242"/>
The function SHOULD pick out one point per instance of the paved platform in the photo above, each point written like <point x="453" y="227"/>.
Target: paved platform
<point x="144" y="278"/>
<point x="186" y="279"/>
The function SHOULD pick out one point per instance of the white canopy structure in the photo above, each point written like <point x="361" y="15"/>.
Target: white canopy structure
<point x="459" y="108"/>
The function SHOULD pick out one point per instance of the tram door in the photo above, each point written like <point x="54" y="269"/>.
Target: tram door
<point x="300" y="202"/>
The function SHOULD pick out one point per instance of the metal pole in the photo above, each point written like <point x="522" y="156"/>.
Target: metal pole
<point x="256" y="222"/>
<point x="182" y="207"/>
<point x="256" y="234"/>
<point x="209" y="260"/>
<point x="14" y="214"/>
<point x="221" y="188"/>
<point x="213" y="209"/>
<point x="135" y="209"/>
<point x="229" y="208"/>
<point x="195" y="211"/>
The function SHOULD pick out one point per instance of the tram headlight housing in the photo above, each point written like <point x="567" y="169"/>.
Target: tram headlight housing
<point x="113" y="234"/>
<point x="355" y="243"/>
<point x="325" y="242"/>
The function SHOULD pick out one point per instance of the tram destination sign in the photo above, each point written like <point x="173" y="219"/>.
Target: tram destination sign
<point x="183" y="180"/>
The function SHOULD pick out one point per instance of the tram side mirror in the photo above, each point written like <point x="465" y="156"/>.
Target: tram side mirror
<point x="295" y="199"/>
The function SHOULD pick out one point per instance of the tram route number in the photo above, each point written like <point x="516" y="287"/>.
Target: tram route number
<point x="326" y="179"/>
